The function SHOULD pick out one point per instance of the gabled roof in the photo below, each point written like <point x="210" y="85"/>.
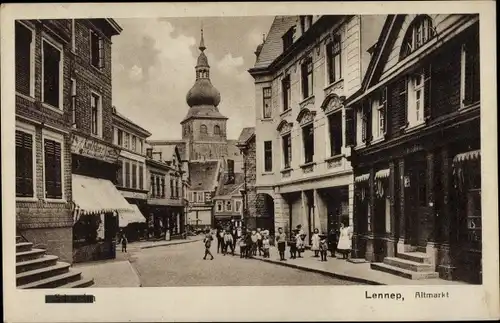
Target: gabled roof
<point x="180" y="144"/>
<point x="245" y="135"/>
<point x="203" y="175"/>
<point x="128" y="123"/>
<point x="273" y="45"/>
<point x="224" y="189"/>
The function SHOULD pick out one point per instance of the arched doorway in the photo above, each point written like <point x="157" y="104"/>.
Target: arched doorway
<point x="265" y="212"/>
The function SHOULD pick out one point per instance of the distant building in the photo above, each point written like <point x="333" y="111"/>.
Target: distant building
<point x="304" y="70"/>
<point x="204" y="147"/>
<point x="414" y="129"/>
<point x="166" y="198"/>
<point x="131" y="177"/>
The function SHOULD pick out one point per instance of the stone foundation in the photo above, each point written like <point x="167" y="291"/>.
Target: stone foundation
<point x="57" y="241"/>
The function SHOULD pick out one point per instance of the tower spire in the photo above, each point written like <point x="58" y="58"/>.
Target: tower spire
<point x="202" y="41"/>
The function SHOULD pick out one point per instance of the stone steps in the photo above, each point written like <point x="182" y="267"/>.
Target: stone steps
<point x="405" y="273"/>
<point x="420" y="257"/>
<point x="45" y="261"/>
<point x="407" y="264"/>
<point x="35" y="269"/>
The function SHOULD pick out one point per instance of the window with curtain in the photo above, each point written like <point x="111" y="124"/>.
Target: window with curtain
<point x="307" y="78"/>
<point x="334" y="61"/>
<point x="308" y="140"/>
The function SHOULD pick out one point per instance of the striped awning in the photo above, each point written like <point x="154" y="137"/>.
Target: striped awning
<point x="362" y="178"/>
<point x="126" y="217"/>
<point x="383" y="173"/>
<point x="470" y="155"/>
<point x="96" y="195"/>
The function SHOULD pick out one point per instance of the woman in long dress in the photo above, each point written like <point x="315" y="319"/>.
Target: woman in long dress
<point x="315" y="242"/>
<point x="344" y="246"/>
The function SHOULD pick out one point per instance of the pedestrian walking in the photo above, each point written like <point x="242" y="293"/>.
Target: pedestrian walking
<point x="323" y="246"/>
<point x="208" y="243"/>
<point x="333" y="240"/>
<point x="124" y="242"/>
<point x="255" y="241"/>
<point x="344" y="245"/>
<point x="266" y="244"/>
<point x="293" y="244"/>
<point x="228" y="243"/>
<point x="315" y="243"/>
<point x="259" y="241"/>
<point x="281" y="241"/>
<point x="300" y="244"/>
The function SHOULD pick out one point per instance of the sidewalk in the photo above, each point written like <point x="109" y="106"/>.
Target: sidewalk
<point x="342" y="269"/>
<point x="110" y="273"/>
<point x="161" y="243"/>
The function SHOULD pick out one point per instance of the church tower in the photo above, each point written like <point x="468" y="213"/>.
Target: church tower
<point x="204" y="127"/>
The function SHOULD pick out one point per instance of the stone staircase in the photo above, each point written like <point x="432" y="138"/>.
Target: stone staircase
<point x="35" y="269"/>
<point x="414" y="263"/>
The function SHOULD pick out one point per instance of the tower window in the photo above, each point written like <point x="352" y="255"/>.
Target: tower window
<point x="216" y="130"/>
<point x="203" y="129"/>
<point x="266" y="94"/>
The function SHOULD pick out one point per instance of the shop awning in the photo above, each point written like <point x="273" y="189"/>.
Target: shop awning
<point x="95" y="195"/>
<point x="126" y="217"/>
<point x="362" y="178"/>
<point x="470" y="155"/>
<point x="383" y="173"/>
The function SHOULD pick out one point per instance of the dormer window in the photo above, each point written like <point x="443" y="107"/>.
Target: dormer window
<point x="288" y="38"/>
<point x="305" y="23"/>
<point x="419" y="33"/>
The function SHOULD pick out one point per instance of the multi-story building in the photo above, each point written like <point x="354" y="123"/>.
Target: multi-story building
<point x="258" y="208"/>
<point x="166" y="201"/>
<point x="63" y="125"/>
<point x="305" y="68"/>
<point x="131" y="179"/>
<point x="415" y="133"/>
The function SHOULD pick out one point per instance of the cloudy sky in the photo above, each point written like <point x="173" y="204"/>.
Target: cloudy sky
<point x="153" y="69"/>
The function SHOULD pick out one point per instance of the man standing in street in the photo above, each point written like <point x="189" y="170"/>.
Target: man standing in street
<point x="208" y="243"/>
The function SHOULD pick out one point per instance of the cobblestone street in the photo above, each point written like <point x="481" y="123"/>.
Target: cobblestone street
<point x="182" y="265"/>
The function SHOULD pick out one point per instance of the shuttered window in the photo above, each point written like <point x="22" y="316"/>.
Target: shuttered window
<point x="141" y="177"/>
<point x="134" y="176"/>
<point x="24" y="164"/>
<point x="119" y="173"/>
<point x="127" y="174"/>
<point x="472" y="76"/>
<point x="52" y="168"/>
<point x="51" y="74"/>
<point x="96" y="50"/>
<point x="24" y="38"/>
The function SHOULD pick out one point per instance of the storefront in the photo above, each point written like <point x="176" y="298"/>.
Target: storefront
<point x="96" y="213"/>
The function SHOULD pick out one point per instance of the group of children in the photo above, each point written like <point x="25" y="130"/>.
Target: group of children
<point x="254" y="241"/>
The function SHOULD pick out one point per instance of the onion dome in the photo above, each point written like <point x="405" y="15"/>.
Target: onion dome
<point x="203" y="92"/>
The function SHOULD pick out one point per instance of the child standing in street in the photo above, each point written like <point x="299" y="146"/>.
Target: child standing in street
<point x="208" y="243"/>
<point x="323" y="246"/>
<point x="300" y="244"/>
<point x="243" y="246"/>
<point x="281" y="242"/>
<point x="293" y="245"/>
<point x="266" y="244"/>
<point x="124" y="243"/>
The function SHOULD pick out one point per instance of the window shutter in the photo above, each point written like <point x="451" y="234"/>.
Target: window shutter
<point x="49" y="168"/>
<point x="350" y="127"/>
<point x="427" y="92"/>
<point x="57" y="171"/>
<point x="403" y="99"/>
<point x="385" y="110"/>
<point x="24" y="164"/>
<point x="363" y="123"/>
<point x="369" y="120"/>
<point x="101" y="52"/>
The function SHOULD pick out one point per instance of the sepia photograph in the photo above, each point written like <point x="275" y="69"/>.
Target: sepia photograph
<point x="260" y="150"/>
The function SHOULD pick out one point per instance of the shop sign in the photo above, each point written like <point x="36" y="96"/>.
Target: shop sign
<point x="91" y="148"/>
<point x="134" y="195"/>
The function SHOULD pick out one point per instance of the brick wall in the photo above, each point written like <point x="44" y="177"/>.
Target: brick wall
<point x="89" y="78"/>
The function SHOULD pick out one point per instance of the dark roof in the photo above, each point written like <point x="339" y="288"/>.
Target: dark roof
<point x="273" y="45"/>
<point x="131" y="124"/>
<point x="245" y="135"/>
<point x="204" y="111"/>
<point x="203" y="175"/>
<point x="230" y="189"/>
